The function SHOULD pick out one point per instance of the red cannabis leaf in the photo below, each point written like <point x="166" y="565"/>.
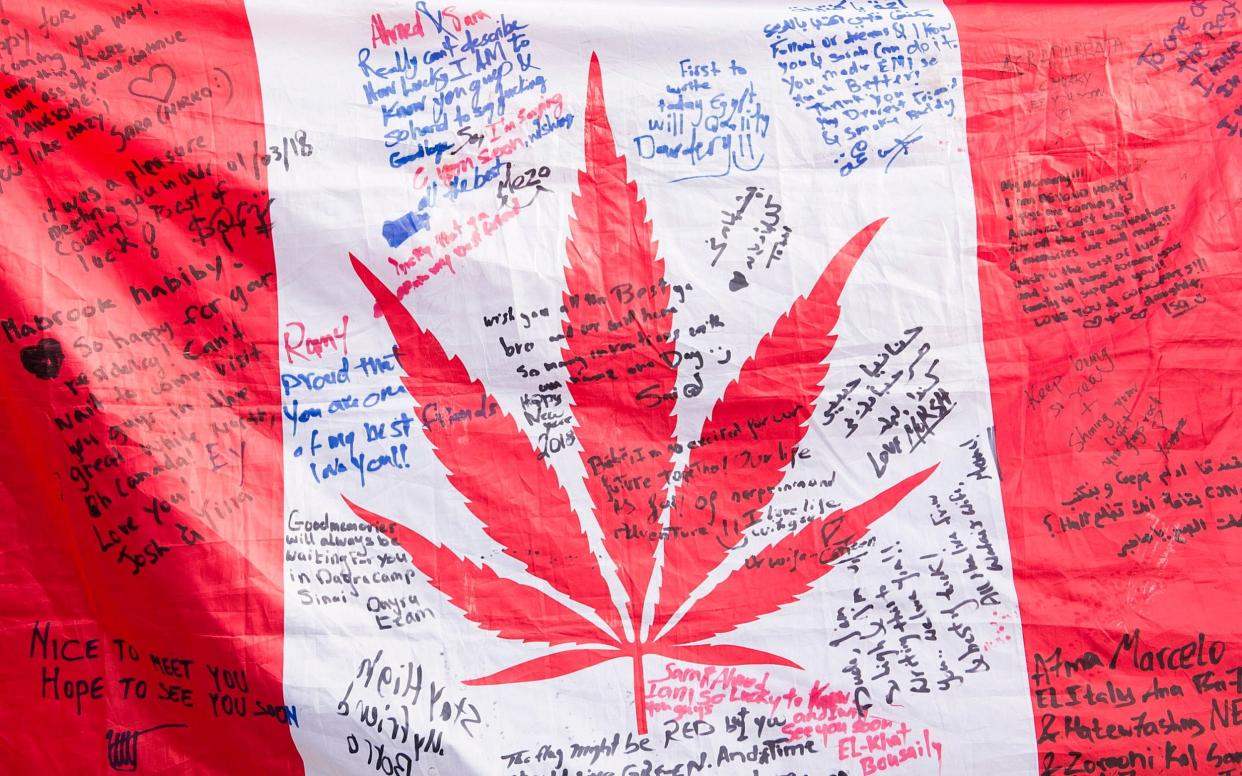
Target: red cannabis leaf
<point x="621" y="359"/>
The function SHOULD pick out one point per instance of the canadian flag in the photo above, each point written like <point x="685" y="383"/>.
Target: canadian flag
<point x="404" y="388"/>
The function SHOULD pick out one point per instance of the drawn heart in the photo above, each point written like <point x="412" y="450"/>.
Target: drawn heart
<point x="158" y="84"/>
<point x="738" y="282"/>
<point x="43" y="359"/>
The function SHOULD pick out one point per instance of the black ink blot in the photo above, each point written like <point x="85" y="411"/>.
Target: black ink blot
<point x="43" y="359"/>
<point x="738" y="282"/>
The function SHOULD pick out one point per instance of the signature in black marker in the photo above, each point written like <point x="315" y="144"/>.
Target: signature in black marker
<point x="122" y="746"/>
